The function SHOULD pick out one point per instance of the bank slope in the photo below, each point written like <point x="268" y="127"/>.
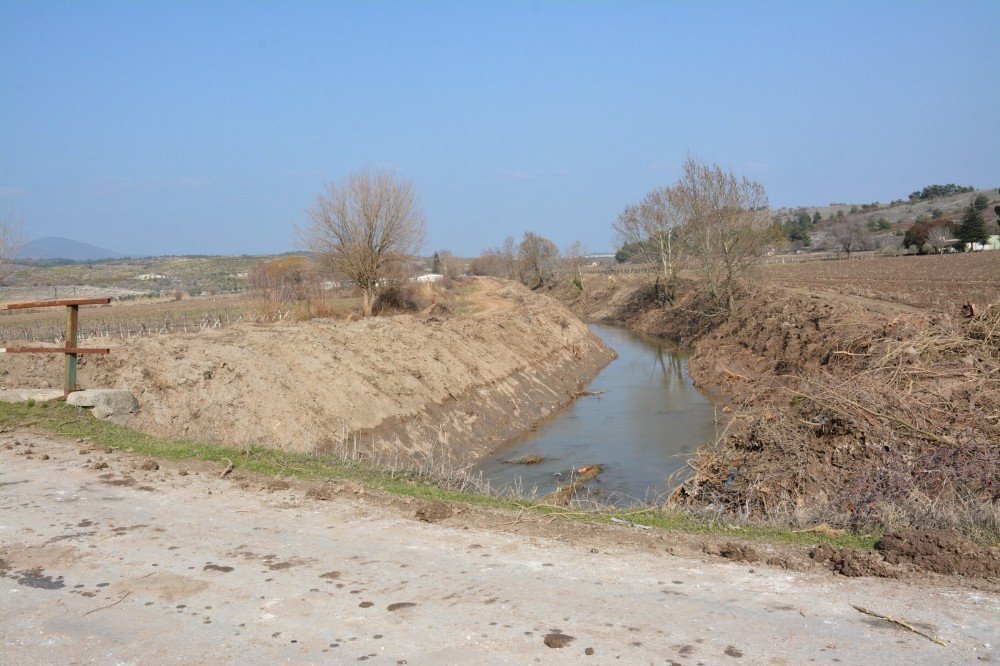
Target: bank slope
<point x="407" y="388"/>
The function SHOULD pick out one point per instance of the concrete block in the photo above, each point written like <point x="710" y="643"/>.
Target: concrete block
<point x="110" y="404"/>
<point x="24" y="395"/>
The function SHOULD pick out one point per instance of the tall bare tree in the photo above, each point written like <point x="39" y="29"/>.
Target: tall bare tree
<point x="538" y="258"/>
<point x="499" y="262"/>
<point x="576" y="257"/>
<point x="367" y="229"/>
<point x="508" y="259"/>
<point x="657" y="228"/>
<point x="487" y="263"/>
<point x="727" y="217"/>
<point x="10" y="245"/>
<point x="450" y="265"/>
<point x="849" y="237"/>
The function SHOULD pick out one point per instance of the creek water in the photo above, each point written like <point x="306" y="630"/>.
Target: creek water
<point x="641" y="429"/>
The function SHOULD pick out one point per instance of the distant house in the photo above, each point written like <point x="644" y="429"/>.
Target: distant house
<point x="992" y="243"/>
<point x="430" y="277"/>
<point x="151" y="276"/>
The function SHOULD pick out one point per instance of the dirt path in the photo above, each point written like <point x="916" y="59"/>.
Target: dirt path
<point x="488" y="298"/>
<point x="107" y="562"/>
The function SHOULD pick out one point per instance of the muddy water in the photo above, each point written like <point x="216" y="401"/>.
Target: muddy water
<point x="641" y="428"/>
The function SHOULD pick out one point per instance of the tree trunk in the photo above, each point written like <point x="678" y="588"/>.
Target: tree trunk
<point x="367" y="301"/>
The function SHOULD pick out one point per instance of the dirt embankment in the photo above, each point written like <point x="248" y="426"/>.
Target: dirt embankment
<point x="441" y="388"/>
<point x="857" y="412"/>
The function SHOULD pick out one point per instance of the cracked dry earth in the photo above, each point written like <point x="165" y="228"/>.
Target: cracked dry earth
<point x="106" y="559"/>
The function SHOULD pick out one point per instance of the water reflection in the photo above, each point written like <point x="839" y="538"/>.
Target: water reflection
<point x="669" y="363"/>
<point x="641" y="428"/>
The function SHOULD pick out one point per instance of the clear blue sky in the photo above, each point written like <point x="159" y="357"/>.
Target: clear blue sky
<point x="209" y="127"/>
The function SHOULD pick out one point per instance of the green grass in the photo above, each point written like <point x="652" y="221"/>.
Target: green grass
<point x="71" y="422"/>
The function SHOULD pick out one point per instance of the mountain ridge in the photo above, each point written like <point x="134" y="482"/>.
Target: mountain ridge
<point x="59" y="247"/>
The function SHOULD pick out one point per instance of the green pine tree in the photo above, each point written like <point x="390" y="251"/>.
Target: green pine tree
<point x="972" y="228"/>
<point x="436" y="263"/>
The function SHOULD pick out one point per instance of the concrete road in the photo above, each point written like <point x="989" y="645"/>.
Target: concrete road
<point x="121" y="565"/>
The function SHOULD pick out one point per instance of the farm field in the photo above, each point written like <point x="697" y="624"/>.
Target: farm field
<point x="127" y="318"/>
<point x="939" y="282"/>
<point x="144" y="317"/>
<point x="192" y="274"/>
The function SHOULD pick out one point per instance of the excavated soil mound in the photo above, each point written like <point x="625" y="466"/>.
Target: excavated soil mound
<point x="397" y="389"/>
<point x="841" y="408"/>
<point x="856" y="414"/>
<point x="940" y="552"/>
<point x="852" y="563"/>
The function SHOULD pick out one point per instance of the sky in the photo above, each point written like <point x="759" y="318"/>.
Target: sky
<point x="207" y="127"/>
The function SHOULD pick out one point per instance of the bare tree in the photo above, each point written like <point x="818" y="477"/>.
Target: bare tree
<point x="487" y="263"/>
<point x="367" y="229"/>
<point x="848" y="237"/>
<point x="941" y="237"/>
<point x="10" y="245"/>
<point x="450" y="266"/>
<point x="727" y="219"/>
<point x="576" y="257"/>
<point x="499" y="262"/>
<point x="656" y="227"/>
<point x="508" y="259"/>
<point x="538" y="257"/>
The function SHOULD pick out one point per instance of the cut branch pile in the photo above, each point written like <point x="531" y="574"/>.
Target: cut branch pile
<point x="860" y="422"/>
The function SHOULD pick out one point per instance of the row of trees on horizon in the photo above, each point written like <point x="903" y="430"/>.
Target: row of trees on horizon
<point x="711" y="223"/>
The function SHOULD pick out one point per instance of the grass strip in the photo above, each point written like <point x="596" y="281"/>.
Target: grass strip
<point x="63" y="420"/>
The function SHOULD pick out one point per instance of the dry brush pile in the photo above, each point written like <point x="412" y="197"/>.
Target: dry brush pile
<point x="869" y="419"/>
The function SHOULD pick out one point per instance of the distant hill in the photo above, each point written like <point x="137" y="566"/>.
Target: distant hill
<point x="57" y="247"/>
<point x="898" y="211"/>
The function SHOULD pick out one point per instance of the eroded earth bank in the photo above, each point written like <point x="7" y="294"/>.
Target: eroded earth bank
<point x="854" y="411"/>
<point x="441" y="387"/>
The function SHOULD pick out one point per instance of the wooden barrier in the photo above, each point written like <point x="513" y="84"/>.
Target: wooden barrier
<point x="71" y="350"/>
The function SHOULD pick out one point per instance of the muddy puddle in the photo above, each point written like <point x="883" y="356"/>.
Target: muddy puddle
<point x="646" y="420"/>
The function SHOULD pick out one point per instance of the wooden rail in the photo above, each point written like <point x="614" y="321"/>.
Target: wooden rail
<point x="48" y="304"/>
<point x="71" y="350"/>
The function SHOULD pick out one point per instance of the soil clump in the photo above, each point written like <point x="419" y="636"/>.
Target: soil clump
<point x="941" y="552"/>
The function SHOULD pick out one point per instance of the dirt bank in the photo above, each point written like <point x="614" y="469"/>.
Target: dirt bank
<point x="427" y="388"/>
<point x="854" y="411"/>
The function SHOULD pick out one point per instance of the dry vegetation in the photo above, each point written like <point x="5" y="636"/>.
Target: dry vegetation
<point x="858" y="393"/>
<point x="854" y="416"/>
<point x="291" y="288"/>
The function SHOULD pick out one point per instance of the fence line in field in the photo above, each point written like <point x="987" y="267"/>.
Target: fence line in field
<point x="122" y="329"/>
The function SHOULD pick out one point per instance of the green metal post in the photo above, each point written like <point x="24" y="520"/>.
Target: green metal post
<point x="72" y="322"/>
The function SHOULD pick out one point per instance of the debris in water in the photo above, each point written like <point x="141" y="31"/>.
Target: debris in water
<point x="564" y="494"/>
<point x="532" y="459"/>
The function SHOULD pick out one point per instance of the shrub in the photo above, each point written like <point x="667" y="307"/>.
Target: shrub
<point x="936" y="191"/>
<point x="399" y="298"/>
<point x="287" y="288"/>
